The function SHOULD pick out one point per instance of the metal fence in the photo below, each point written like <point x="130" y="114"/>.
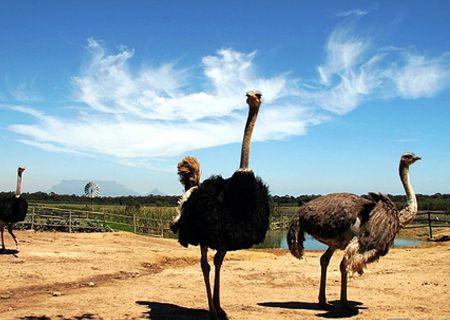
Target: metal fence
<point x="71" y="220"/>
<point x="431" y="219"/>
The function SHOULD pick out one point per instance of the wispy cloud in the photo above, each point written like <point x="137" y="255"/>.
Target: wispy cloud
<point x="23" y="92"/>
<point x="354" y="12"/>
<point x="355" y="70"/>
<point x="357" y="12"/>
<point x="418" y="76"/>
<point x="150" y="113"/>
<point x="136" y="114"/>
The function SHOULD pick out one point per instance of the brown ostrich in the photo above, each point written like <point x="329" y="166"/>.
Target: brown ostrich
<point x="364" y="229"/>
<point x="13" y="209"/>
<point x="223" y="214"/>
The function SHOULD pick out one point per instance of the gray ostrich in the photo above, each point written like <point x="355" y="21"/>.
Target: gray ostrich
<point x="13" y="209"/>
<point x="223" y="214"/>
<point x="364" y="229"/>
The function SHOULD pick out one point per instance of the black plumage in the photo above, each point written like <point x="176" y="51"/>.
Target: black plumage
<point x="226" y="214"/>
<point x="13" y="209"/>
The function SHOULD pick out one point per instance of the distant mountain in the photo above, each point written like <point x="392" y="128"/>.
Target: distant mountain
<point x="157" y="192"/>
<point x="107" y="188"/>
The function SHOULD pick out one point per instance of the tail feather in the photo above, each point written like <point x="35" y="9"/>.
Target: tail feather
<point x="295" y="237"/>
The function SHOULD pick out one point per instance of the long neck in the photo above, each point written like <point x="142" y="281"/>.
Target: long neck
<point x="410" y="211"/>
<point x="245" y="151"/>
<point x="19" y="184"/>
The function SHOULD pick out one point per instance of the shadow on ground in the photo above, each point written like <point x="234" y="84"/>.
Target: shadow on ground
<point x="167" y="311"/>
<point x="333" y="310"/>
<point x="86" y="316"/>
<point x="13" y="252"/>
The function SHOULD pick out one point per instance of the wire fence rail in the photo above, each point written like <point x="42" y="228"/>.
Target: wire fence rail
<point x="430" y="219"/>
<point x="72" y="220"/>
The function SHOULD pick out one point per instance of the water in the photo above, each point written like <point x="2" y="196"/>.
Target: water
<point x="277" y="239"/>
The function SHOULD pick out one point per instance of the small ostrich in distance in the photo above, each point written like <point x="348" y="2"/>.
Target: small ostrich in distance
<point x="364" y="229"/>
<point x="223" y="214"/>
<point x="13" y="209"/>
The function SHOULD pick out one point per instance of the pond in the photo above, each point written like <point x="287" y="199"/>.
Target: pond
<point x="277" y="239"/>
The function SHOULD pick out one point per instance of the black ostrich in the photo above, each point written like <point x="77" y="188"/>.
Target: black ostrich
<point x="223" y="214"/>
<point x="13" y="209"/>
<point x="364" y="228"/>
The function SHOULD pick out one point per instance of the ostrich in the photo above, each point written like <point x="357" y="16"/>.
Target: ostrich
<point x="13" y="209"/>
<point x="223" y="214"/>
<point x="364" y="229"/>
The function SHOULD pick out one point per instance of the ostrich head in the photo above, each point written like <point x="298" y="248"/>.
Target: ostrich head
<point x="408" y="158"/>
<point x="189" y="172"/>
<point x="254" y="98"/>
<point x="20" y="170"/>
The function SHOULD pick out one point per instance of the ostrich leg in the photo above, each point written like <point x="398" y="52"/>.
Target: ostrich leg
<point x="324" y="261"/>
<point x="343" y="268"/>
<point x="10" y="230"/>
<point x="205" y="270"/>
<point x="218" y="259"/>
<point x="3" y="240"/>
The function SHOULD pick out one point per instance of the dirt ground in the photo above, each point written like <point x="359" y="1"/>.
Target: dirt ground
<point x="125" y="276"/>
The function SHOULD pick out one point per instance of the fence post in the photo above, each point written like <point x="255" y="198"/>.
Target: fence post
<point x="134" y="222"/>
<point x="430" y="229"/>
<point x="70" y="221"/>
<point x="32" y="219"/>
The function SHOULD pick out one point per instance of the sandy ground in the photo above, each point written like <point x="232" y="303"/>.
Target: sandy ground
<point x="126" y="276"/>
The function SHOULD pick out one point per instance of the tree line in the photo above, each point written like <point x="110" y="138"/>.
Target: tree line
<point x="437" y="201"/>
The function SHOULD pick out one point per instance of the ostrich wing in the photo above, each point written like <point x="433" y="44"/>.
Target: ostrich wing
<point x="332" y="215"/>
<point x="379" y="231"/>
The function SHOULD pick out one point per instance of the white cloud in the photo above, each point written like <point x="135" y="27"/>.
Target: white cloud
<point x="136" y="114"/>
<point x="23" y="92"/>
<point x="421" y="77"/>
<point x="355" y="71"/>
<point x="354" y="12"/>
<point x="150" y="113"/>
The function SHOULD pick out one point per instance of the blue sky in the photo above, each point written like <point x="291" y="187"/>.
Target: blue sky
<point x="117" y="90"/>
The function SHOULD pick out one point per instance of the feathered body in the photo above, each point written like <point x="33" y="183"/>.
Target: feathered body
<point x="365" y="228"/>
<point x="226" y="214"/>
<point x="13" y="209"/>
<point x="335" y="219"/>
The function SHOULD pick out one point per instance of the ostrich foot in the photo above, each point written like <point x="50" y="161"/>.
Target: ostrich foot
<point x="325" y="305"/>
<point x="346" y="307"/>
<point x="218" y="314"/>
<point x="221" y="313"/>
